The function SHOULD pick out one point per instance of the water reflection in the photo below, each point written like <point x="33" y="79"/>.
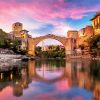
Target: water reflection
<point x="52" y="80"/>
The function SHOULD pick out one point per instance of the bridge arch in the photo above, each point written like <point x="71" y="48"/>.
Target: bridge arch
<point x="67" y="43"/>
<point x="49" y="36"/>
<point x="35" y="75"/>
<point x="49" y="41"/>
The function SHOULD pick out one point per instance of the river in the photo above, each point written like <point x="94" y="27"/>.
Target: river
<point x="51" y="80"/>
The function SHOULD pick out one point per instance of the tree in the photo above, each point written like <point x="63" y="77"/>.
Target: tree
<point x="7" y="43"/>
<point x="93" y="40"/>
<point x="3" y="37"/>
<point x="94" y="44"/>
<point x="98" y="44"/>
<point x="51" y="52"/>
<point x="38" y="51"/>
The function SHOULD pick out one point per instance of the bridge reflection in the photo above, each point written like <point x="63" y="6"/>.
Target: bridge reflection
<point x="34" y="76"/>
<point x="77" y="73"/>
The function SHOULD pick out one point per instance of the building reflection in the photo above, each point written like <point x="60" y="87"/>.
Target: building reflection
<point x="17" y="89"/>
<point x="96" y="91"/>
<point x="31" y="69"/>
<point x="16" y="78"/>
<point x="81" y="76"/>
<point x="78" y="73"/>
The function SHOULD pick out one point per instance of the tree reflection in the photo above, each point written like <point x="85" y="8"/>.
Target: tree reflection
<point x="95" y="73"/>
<point x="79" y="73"/>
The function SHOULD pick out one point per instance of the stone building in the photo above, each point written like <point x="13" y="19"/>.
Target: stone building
<point x="20" y="34"/>
<point x="96" y="23"/>
<point x="89" y="31"/>
<point x="79" y="39"/>
<point x="17" y="27"/>
<point x="24" y="39"/>
<point x="74" y="35"/>
<point x="84" y="34"/>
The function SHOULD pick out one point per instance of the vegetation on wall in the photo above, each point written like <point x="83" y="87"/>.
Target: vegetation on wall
<point x="8" y="43"/>
<point x="95" y="70"/>
<point x="52" y="52"/>
<point x="3" y="38"/>
<point x="94" y="44"/>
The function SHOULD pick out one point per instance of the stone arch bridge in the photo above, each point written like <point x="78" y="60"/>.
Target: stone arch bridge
<point x="68" y="43"/>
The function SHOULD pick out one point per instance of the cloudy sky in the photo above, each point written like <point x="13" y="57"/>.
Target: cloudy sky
<point x="43" y="17"/>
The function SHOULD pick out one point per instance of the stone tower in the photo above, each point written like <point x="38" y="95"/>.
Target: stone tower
<point x="17" y="27"/>
<point x="73" y="35"/>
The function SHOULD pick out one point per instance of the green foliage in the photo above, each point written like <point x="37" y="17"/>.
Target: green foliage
<point x="14" y="43"/>
<point x="94" y="44"/>
<point x="98" y="44"/>
<point x="3" y="37"/>
<point x="95" y="70"/>
<point x="38" y="51"/>
<point x="52" y="52"/>
<point x="93" y="41"/>
<point x="6" y="42"/>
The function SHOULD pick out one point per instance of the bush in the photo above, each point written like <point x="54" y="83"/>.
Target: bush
<point x="94" y="44"/>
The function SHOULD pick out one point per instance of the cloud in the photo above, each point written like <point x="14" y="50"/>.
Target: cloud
<point x="48" y="10"/>
<point x="61" y="29"/>
<point x="36" y="14"/>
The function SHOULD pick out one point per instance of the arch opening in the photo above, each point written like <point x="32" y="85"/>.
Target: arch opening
<point x="50" y="48"/>
<point x="49" y="41"/>
<point x="68" y="43"/>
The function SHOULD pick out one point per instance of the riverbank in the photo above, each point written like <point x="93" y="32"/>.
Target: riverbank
<point x="9" y="60"/>
<point x="9" y="56"/>
<point x="85" y="57"/>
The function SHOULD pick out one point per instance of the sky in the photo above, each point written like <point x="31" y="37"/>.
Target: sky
<point x="41" y="17"/>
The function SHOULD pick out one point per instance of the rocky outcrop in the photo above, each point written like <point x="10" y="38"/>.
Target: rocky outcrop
<point x="9" y="61"/>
